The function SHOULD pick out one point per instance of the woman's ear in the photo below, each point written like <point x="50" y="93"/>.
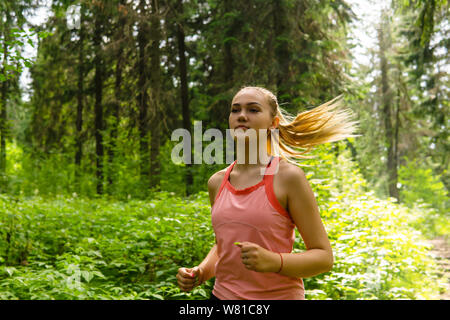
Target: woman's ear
<point x="275" y="122"/>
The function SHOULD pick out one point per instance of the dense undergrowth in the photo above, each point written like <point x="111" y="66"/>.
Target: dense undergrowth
<point x="71" y="246"/>
<point x="79" y="248"/>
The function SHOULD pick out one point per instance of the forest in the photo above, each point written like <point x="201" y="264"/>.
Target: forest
<point x="92" y="205"/>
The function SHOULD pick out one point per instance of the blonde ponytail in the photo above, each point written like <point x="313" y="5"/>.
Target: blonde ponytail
<point x="325" y="123"/>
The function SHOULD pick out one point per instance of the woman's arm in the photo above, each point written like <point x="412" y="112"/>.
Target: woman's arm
<point x="188" y="278"/>
<point x="208" y="265"/>
<point x="318" y="258"/>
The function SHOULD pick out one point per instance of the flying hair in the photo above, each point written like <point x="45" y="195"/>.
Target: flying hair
<point x="325" y="123"/>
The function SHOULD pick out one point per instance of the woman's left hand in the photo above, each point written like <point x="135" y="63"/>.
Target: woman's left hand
<point x="256" y="258"/>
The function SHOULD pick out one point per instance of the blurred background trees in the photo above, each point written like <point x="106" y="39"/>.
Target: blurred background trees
<point x="113" y="79"/>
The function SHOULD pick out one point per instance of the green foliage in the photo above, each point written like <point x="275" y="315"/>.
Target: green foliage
<point x="419" y="182"/>
<point x="57" y="242"/>
<point x="15" y="62"/>
<point x="76" y="248"/>
<point x="80" y="248"/>
<point x="50" y="174"/>
<point x="379" y="252"/>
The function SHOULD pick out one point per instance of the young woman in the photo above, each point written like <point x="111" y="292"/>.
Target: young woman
<point x="254" y="216"/>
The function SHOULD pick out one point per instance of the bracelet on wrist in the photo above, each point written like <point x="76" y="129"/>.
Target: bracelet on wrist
<point x="281" y="262"/>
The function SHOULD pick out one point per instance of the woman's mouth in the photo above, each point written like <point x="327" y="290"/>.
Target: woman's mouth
<point x="241" y="127"/>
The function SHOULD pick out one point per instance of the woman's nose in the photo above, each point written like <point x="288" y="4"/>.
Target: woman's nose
<point x="242" y="115"/>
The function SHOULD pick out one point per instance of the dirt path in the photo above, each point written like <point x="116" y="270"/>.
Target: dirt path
<point x="441" y="252"/>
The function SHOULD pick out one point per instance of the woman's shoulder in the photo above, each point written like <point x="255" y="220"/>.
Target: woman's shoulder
<point x="288" y="171"/>
<point x="217" y="177"/>
<point x="214" y="183"/>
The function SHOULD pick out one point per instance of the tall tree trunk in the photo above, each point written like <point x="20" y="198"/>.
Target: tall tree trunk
<point x="281" y="48"/>
<point x="117" y="92"/>
<point x="222" y="108"/>
<point x="228" y="68"/>
<point x="155" y="84"/>
<point x="3" y="135"/>
<point x="184" y="96"/>
<point x="142" y="95"/>
<point x="98" y="110"/>
<point x="3" y="114"/>
<point x="387" y="102"/>
<point x="3" y="128"/>
<point x="395" y="151"/>
<point x="80" y="95"/>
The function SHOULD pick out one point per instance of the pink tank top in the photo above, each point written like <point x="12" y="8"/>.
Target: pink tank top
<point x="252" y="214"/>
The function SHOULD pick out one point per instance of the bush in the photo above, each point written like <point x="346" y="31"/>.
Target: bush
<point x="78" y="248"/>
<point x="73" y="247"/>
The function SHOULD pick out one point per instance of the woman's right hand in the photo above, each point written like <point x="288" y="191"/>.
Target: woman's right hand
<point x="188" y="278"/>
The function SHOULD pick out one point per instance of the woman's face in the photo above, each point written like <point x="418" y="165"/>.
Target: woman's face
<point x="249" y="109"/>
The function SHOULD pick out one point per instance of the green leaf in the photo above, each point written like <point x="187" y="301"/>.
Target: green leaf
<point x="87" y="275"/>
<point x="10" y="270"/>
<point x="157" y="296"/>
<point x="98" y="274"/>
<point x="232" y="39"/>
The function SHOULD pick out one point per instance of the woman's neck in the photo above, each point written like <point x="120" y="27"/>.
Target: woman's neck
<point x="246" y="163"/>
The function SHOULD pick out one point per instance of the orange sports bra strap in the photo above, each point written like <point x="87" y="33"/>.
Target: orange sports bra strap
<point x="268" y="177"/>
<point x="225" y="178"/>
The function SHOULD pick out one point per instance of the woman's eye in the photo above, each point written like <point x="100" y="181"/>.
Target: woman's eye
<point x="251" y="110"/>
